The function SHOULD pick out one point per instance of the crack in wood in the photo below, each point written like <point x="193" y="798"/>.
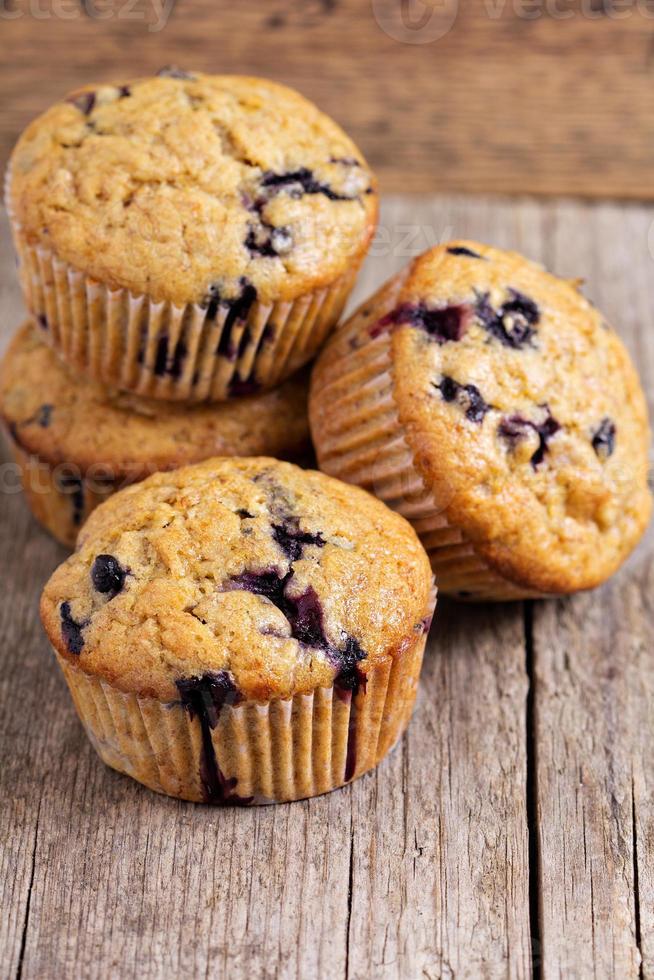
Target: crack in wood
<point x="28" y="902"/>
<point x="532" y="795"/>
<point x="634" y="842"/>
<point x="350" y="883"/>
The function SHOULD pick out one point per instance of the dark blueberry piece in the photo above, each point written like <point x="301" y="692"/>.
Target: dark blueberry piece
<point x="604" y="438"/>
<point x="514" y="323"/>
<point x="161" y="356"/>
<point x="462" y="250"/>
<point x="163" y="364"/>
<point x="268" y="241"/>
<point x="305" y="616"/>
<point x="513" y="428"/>
<point x="177" y="365"/>
<point x="258" y="242"/>
<point x="44" y="416"/>
<point x="243" y="388"/>
<point x="84" y="102"/>
<point x="545" y="431"/>
<point x="441" y="324"/>
<point x="211" y="301"/>
<point x="240" y="307"/>
<point x="204" y="698"/>
<point x="291" y="539"/>
<point x="208" y="694"/>
<point x="124" y="91"/>
<point x="70" y="484"/>
<point x="269" y="333"/>
<point x="108" y="575"/>
<point x="42" y="321"/>
<point x="304" y="612"/>
<point x="172" y="71"/>
<point x="299" y="182"/>
<point x="243" y="514"/>
<point x="71" y="630"/>
<point x="350" y="677"/>
<point x="244" y="342"/>
<point x="468" y="397"/>
<point x="237" y="308"/>
<point x="269" y="584"/>
<point x="349" y="680"/>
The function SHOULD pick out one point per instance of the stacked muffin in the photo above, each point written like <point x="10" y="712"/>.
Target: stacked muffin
<point x="184" y="239"/>
<point x="243" y="630"/>
<point x="492" y="405"/>
<point x="185" y="245"/>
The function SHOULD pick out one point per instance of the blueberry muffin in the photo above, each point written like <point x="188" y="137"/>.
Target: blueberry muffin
<point x="188" y="236"/>
<point x="242" y="630"/>
<point x="77" y="442"/>
<point x="491" y="404"/>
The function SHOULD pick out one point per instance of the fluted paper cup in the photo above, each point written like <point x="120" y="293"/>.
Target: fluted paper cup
<point x="250" y="753"/>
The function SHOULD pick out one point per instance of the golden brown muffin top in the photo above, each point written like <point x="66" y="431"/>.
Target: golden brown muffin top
<point x="184" y="185"/>
<point x="65" y="418"/>
<point x="523" y="410"/>
<point x="264" y="578"/>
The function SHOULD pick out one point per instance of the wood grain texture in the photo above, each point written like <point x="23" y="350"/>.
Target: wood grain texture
<point x="594" y="680"/>
<point x="507" y="96"/>
<point x="510" y="834"/>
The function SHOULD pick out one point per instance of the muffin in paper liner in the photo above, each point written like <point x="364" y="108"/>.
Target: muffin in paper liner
<point x="190" y="353"/>
<point x="242" y="631"/>
<point x="367" y="445"/>
<point x="249" y="753"/>
<point x="180" y="281"/>
<point x="77" y="442"/>
<point x="371" y="428"/>
<point x="60" y="498"/>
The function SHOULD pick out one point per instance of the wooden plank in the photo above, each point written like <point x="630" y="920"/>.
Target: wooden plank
<point x="27" y="682"/>
<point x="441" y="850"/>
<point x="31" y="694"/>
<point x="420" y="868"/>
<point x="594" y="681"/>
<point x="504" y="96"/>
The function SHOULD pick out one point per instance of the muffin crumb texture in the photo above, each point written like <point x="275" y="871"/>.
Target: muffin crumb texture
<point x="61" y="417"/>
<point x="522" y="411"/>
<point x="250" y="578"/>
<point x="195" y="189"/>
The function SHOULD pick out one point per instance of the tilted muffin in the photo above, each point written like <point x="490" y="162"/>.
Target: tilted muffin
<point x="242" y="630"/>
<point x="77" y="442"/>
<point x="490" y="403"/>
<point x="188" y="236"/>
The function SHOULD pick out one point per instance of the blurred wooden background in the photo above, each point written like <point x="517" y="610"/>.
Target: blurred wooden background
<point x="504" y="96"/>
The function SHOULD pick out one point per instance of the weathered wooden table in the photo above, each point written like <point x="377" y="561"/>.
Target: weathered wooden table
<point x="511" y="832"/>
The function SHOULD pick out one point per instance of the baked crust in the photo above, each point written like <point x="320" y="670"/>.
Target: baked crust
<point x="62" y="417"/>
<point x="283" y="580"/>
<point x="523" y="412"/>
<point x="181" y="186"/>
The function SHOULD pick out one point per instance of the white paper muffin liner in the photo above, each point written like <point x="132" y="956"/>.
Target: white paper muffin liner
<point x="256" y="753"/>
<point x="161" y="350"/>
<point x="60" y="499"/>
<point x="367" y="445"/>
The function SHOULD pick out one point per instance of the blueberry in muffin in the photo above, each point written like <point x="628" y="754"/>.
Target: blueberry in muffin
<point x="255" y="630"/>
<point x="489" y="402"/>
